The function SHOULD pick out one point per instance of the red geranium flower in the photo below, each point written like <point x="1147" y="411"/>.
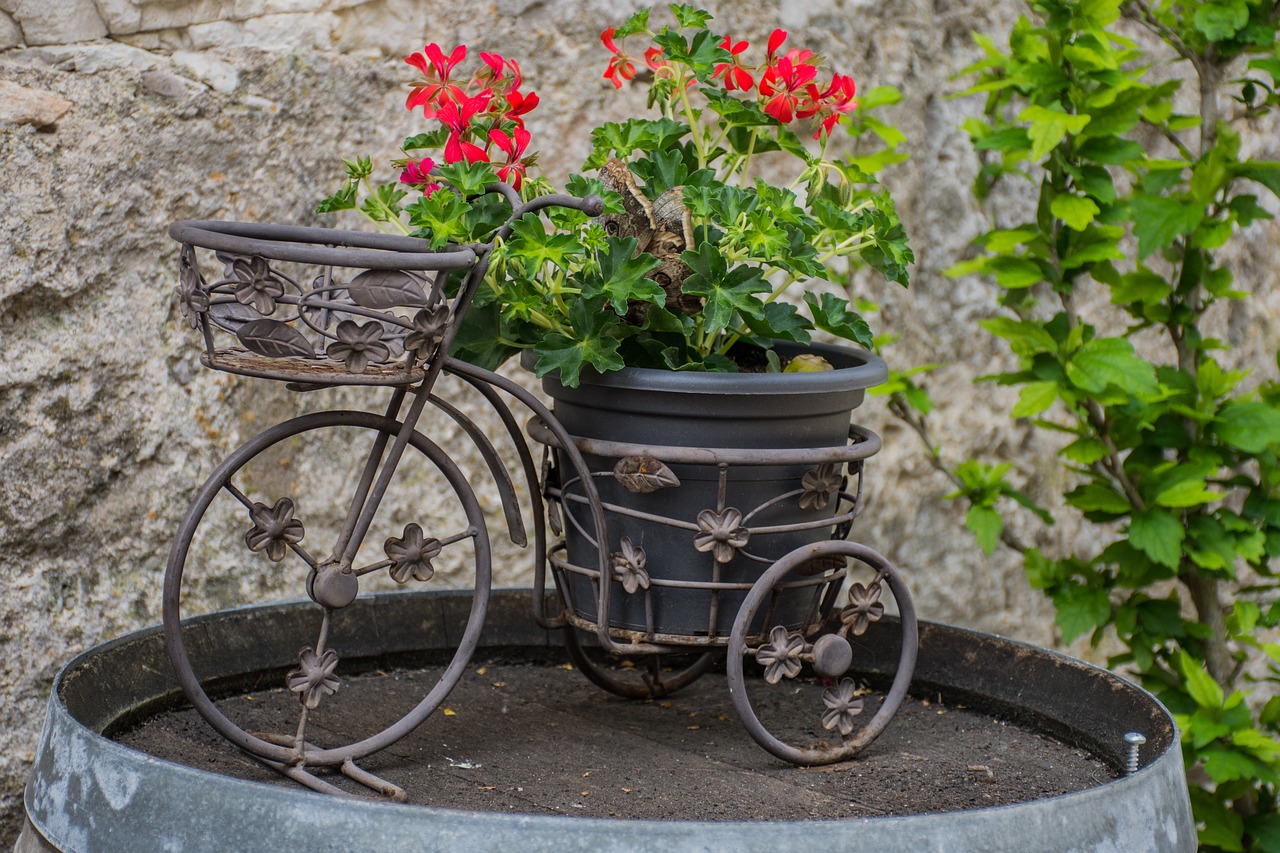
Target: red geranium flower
<point x="784" y="83"/>
<point x="501" y="74"/>
<point x="456" y="114"/>
<point x="831" y="104"/>
<point x="735" y="75"/>
<point x="620" y="67"/>
<point x="436" y="68"/>
<point x="418" y="174"/>
<point x="514" y="147"/>
<point x="776" y="38"/>
<point x="519" y="104"/>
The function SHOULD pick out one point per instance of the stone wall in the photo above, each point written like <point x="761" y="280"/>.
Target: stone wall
<point x="119" y="116"/>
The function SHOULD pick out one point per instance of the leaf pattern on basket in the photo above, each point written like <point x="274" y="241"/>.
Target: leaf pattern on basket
<point x="274" y="339"/>
<point x="644" y="474"/>
<point x="386" y="289"/>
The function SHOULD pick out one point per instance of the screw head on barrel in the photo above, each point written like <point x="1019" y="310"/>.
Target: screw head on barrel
<point x="1135" y="740"/>
<point x="832" y="655"/>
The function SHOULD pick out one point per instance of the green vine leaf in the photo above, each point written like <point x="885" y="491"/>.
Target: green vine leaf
<point x="1159" y="535"/>
<point x="1050" y="126"/>
<point x="1157" y="220"/>
<point x="1077" y="211"/>
<point x="1106" y="362"/>
<point x="1251" y="427"/>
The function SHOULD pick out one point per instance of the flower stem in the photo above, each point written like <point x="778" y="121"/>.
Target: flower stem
<point x="695" y="129"/>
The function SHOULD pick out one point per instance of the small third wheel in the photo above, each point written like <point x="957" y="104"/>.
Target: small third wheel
<point x="823" y="662"/>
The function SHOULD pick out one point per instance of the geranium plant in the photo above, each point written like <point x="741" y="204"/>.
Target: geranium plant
<point x="697" y="258"/>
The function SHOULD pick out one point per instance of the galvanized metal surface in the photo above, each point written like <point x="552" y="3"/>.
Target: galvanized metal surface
<point x="90" y="794"/>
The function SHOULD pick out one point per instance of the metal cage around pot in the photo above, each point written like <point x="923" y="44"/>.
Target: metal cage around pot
<point x="766" y="503"/>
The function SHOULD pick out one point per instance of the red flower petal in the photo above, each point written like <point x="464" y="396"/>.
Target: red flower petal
<point x="776" y="38"/>
<point x="780" y="107"/>
<point x="494" y="61"/>
<point x="418" y="61"/>
<point x="459" y="54"/>
<point x="437" y="57"/>
<point x="606" y="38"/>
<point x="499" y="138"/>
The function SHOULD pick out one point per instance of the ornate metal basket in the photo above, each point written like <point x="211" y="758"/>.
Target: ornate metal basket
<point x="276" y="308"/>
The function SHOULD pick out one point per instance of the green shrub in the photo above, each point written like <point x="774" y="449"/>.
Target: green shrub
<point x="1104" y="294"/>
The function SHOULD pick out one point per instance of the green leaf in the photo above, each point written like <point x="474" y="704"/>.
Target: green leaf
<point x="468" y="179"/>
<point x="480" y="338"/>
<point x="1034" y="398"/>
<point x="1206" y="692"/>
<point x="1080" y="609"/>
<point x="1074" y="210"/>
<point x="701" y="53"/>
<point x="1105" y="362"/>
<point x="1049" y="127"/>
<point x="1024" y="338"/>
<point x="343" y="199"/>
<point x="1098" y="497"/>
<point x="633" y="134"/>
<point x="1223" y="828"/>
<point x="419" y="141"/>
<point x="1251" y="426"/>
<point x="832" y="314"/>
<point x="636" y="24"/>
<point x="561" y="353"/>
<point x="1007" y="139"/>
<point x="1110" y="150"/>
<point x="531" y="242"/>
<point x="726" y="292"/>
<point x="1227" y="765"/>
<point x="1187" y="493"/>
<point x="440" y="218"/>
<point x="690" y="17"/>
<point x="1159" y="535"/>
<point x="780" y="321"/>
<point x="1084" y="451"/>
<point x="1221" y="20"/>
<point x="1209" y="545"/>
<point x="1004" y="242"/>
<point x="986" y="525"/>
<point x="1015" y="273"/>
<point x="1041" y="571"/>
<point x="1158" y="220"/>
<point x="622" y="277"/>
<point x="1141" y="285"/>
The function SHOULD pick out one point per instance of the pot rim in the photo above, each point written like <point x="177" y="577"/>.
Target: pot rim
<point x="867" y="371"/>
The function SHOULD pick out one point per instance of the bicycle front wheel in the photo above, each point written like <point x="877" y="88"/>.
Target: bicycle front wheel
<point x="279" y="513"/>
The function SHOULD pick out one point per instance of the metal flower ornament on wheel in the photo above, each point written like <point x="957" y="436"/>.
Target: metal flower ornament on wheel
<point x="700" y="470"/>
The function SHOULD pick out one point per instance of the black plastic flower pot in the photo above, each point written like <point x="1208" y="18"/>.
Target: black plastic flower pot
<point x="705" y="540"/>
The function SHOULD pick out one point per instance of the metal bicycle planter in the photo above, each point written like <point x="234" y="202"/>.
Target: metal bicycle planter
<point x="318" y="308"/>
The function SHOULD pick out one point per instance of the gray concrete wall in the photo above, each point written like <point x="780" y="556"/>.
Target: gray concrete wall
<point x="119" y="116"/>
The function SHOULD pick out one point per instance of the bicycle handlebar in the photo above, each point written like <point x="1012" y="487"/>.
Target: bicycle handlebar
<point x="361" y="249"/>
